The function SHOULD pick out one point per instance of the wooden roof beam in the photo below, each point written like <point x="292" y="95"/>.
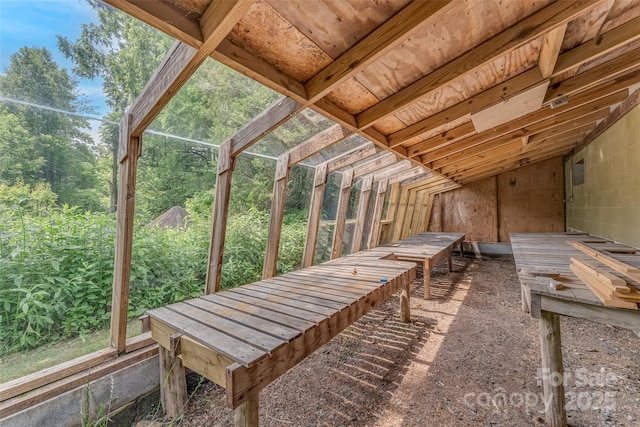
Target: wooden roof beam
<point x="577" y="115"/>
<point x="317" y="143"/>
<point x="384" y="38"/>
<point x="550" y="49"/>
<point x="590" y="78"/>
<point x="568" y="60"/>
<point x="528" y="29"/>
<point x="570" y="136"/>
<point x="577" y="101"/>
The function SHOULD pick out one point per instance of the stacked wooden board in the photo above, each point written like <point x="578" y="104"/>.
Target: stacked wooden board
<point x="614" y="282"/>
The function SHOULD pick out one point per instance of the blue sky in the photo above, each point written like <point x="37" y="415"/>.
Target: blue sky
<point x="36" y="23"/>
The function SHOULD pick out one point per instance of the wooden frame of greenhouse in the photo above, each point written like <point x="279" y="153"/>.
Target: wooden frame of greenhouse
<point x="488" y="107"/>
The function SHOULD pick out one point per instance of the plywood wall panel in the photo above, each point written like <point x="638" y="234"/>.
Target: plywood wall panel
<point x="530" y="199"/>
<point x="472" y="210"/>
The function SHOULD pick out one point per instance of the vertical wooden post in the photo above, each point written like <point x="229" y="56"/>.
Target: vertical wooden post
<point x="277" y="214"/>
<point x="226" y="162"/>
<point x="424" y="226"/>
<point x="405" y="301"/>
<point x="408" y="215"/>
<point x="394" y="196"/>
<point x="374" y="235"/>
<point x="315" y="209"/>
<point x="129" y="150"/>
<point x="426" y="272"/>
<point x="341" y="213"/>
<point x="173" y="383"/>
<point x="418" y="212"/>
<point x="363" y="205"/>
<point x="552" y="369"/>
<point x="247" y="414"/>
<point x="398" y="220"/>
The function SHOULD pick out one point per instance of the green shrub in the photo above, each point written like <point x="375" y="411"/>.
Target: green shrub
<point x="56" y="268"/>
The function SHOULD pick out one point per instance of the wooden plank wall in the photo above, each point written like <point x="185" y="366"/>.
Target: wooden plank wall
<point x="527" y="200"/>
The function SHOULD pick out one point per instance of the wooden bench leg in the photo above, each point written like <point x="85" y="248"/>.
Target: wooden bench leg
<point x="449" y="261"/>
<point x="552" y="370"/>
<point x="246" y="415"/>
<point x="173" y="384"/>
<point x="427" y="278"/>
<point x="405" y="302"/>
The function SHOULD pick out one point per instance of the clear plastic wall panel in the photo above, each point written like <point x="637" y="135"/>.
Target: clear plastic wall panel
<point x="327" y="218"/>
<point x="291" y="133"/>
<point x="57" y="231"/>
<point x="174" y="196"/>
<point x="213" y="105"/>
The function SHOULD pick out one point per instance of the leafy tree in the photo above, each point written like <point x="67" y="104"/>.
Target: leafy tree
<point x="39" y="145"/>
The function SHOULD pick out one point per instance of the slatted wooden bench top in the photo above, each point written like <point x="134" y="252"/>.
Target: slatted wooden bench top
<point x="244" y="338"/>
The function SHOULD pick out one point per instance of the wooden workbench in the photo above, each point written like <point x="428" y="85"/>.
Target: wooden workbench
<point x="428" y="248"/>
<point x="244" y="338"/>
<point x="541" y="256"/>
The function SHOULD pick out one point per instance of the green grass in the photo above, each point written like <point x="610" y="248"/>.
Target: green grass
<point x="17" y="365"/>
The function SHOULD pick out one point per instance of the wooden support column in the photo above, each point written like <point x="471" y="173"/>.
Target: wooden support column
<point x="374" y="235"/>
<point x="424" y="226"/>
<point x="173" y="383"/>
<point x="363" y="205"/>
<point x="400" y="215"/>
<point x="341" y="213"/>
<point x="226" y="163"/>
<point x="128" y="153"/>
<point x="277" y="214"/>
<point x="246" y="415"/>
<point x="418" y="213"/>
<point x="552" y="369"/>
<point x="315" y="209"/>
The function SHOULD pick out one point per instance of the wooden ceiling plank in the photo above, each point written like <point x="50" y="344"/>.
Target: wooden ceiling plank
<point x="317" y="143"/>
<point x="485" y="99"/>
<point x="581" y="127"/>
<point x="523" y="32"/>
<point x="182" y="61"/>
<point x="531" y="159"/>
<point x="393" y="32"/>
<point x="578" y="101"/>
<point x="599" y="46"/>
<point x="568" y="60"/>
<point x="576" y="116"/>
<point x="551" y="44"/>
<point x="594" y="76"/>
<point x="516" y="156"/>
<point x="507" y="151"/>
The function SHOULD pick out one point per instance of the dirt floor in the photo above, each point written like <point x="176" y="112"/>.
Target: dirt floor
<point x="470" y="357"/>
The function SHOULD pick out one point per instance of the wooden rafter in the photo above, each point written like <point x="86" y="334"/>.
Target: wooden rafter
<point x="528" y="29"/>
<point x="550" y="49"/>
<point x="380" y="41"/>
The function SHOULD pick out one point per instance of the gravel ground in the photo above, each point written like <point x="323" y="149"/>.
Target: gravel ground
<point x="470" y="357"/>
